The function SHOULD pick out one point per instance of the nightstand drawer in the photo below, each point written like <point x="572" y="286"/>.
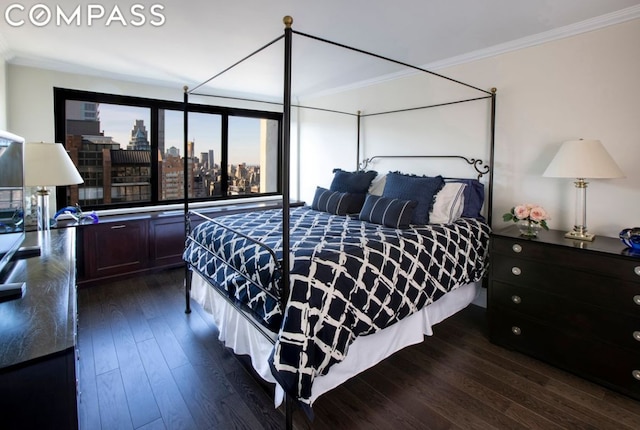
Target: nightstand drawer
<point x="575" y="258"/>
<point x="611" y="366"/>
<point x="575" y="285"/>
<point x="575" y="319"/>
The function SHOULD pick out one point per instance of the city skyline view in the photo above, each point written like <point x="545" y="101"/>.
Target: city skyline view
<point x="111" y="146"/>
<point x="204" y="130"/>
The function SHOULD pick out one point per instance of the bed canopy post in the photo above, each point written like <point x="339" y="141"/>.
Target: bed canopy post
<point x="286" y="144"/>
<point x="358" y="142"/>
<point x="187" y="224"/>
<point x="491" y="155"/>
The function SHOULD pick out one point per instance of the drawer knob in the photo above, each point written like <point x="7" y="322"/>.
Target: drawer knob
<point x="516" y="330"/>
<point x="516" y="271"/>
<point x="517" y="248"/>
<point x="636" y="374"/>
<point x="637" y="270"/>
<point x="636" y="299"/>
<point x="636" y="335"/>
<point x="516" y="299"/>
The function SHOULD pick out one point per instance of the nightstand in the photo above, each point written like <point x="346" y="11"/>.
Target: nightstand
<point x="573" y="304"/>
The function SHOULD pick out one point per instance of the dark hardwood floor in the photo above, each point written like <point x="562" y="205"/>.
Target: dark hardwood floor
<point x="145" y="364"/>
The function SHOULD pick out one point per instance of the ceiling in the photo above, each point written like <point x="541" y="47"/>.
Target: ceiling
<point x="197" y="38"/>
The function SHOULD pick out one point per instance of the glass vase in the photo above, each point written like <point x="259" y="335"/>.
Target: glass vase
<point x="528" y="228"/>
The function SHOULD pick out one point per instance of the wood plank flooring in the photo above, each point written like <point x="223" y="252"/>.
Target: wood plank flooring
<point x="145" y="364"/>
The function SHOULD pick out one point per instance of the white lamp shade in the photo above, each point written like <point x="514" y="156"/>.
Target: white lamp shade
<point x="583" y="159"/>
<point x="48" y="164"/>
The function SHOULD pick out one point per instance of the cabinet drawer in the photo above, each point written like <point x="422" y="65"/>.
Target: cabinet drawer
<point x="577" y="259"/>
<point x="614" y="367"/>
<point x="574" y="319"/>
<point x="564" y="281"/>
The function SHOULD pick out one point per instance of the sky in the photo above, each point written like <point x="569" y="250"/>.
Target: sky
<point x="244" y="133"/>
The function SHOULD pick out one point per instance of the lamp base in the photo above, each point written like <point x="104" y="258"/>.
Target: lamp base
<point x="577" y="235"/>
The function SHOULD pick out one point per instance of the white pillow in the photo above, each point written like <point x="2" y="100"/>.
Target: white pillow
<point x="377" y="185"/>
<point x="449" y="204"/>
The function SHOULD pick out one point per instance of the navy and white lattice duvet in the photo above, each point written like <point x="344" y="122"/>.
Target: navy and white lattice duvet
<point x="348" y="278"/>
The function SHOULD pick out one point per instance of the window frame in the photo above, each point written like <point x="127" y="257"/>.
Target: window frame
<point x="61" y="95"/>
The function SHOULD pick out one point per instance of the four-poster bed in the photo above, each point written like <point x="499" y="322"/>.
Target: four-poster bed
<point x="314" y="295"/>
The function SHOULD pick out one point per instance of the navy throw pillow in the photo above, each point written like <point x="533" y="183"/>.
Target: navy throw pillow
<point x="390" y="212"/>
<point x="422" y="189"/>
<point x="473" y="198"/>
<point x="352" y="182"/>
<point x="337" y="203"/>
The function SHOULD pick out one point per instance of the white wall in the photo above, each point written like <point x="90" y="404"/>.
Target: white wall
<point x="585" y="86"/>
<point x="3" y="98"/>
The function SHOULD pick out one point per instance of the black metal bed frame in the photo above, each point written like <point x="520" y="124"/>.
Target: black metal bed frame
<point x="480" y="167"/>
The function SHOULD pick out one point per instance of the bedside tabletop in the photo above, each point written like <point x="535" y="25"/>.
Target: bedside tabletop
<point x="601" y="244"/>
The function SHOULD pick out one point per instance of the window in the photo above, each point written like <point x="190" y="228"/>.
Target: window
<point x="130" y="151"/>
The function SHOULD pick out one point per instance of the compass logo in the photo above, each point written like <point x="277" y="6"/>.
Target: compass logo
<point x="42" y="15"/>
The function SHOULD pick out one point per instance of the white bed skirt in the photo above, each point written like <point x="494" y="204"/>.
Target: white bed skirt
<point x="366" y="351"/>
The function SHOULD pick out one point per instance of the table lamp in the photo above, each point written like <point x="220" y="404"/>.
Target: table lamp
<point x="47" y="165"/>
<point x="582" y="159"/>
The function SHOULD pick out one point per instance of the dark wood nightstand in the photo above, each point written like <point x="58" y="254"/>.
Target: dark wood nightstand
<point x="573" y="304"/>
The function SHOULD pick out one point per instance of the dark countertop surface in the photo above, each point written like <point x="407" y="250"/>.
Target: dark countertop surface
<point x="42" y="322"/>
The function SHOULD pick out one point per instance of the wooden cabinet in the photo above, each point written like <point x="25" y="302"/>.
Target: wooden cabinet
<point x="38" y="338"/>
<point x="123" y="245"/>
<point x="573" y="304"/>
<point x="115" y="247"/>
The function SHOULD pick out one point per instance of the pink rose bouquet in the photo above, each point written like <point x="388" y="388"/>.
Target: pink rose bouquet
<point x="528" y="212"/>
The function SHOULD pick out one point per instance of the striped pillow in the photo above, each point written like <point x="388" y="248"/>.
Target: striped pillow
<point x="449" y="203"/>
<point x="387" y="211"/>
<point x="337" y="203"/>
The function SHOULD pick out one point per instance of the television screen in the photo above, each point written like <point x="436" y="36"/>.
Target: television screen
<point x="11" y="197"/>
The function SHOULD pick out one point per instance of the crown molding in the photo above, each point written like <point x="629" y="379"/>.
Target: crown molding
<point x="585" y="26"/>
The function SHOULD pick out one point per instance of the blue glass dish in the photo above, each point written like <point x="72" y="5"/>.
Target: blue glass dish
<point x="631" y="238"/>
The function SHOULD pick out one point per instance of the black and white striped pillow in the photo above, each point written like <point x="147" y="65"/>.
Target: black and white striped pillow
<point x="388" y="211"/>
<point x="337" y="203"/>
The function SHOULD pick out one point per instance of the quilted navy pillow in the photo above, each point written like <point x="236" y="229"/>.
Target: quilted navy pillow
<point x="390" y="212"/>
<point x="410" y="187"/>
<point x="473" y="198"/>
<point x="337" y="203"/>
<point x="352" y="182"/>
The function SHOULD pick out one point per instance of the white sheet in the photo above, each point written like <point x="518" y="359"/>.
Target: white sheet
<point x="366" y="351"/>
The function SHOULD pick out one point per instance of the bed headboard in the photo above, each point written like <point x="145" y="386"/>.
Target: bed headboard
<point x="478" y="165"/>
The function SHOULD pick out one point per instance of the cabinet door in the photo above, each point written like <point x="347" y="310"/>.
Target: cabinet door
<point x="167" y="241"/>
<point x="115" y="248"/>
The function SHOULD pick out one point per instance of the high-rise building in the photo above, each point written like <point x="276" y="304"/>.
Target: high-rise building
<point x="139" y="137"/>
<point x="161" y="133"/>
<point x="204" y="160"/>
<point x="83" y="118"/>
